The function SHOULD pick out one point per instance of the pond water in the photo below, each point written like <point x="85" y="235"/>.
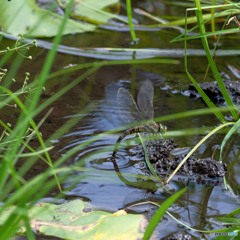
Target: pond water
<point x="101" y="185"/>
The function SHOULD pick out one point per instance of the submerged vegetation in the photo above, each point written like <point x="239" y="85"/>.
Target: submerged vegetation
<point x="23" y="144"/>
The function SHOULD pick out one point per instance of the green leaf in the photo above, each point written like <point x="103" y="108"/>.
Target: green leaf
<point x="78" y="220"/>
<point x="25" y="17"/>
<point x="96" y="11"/>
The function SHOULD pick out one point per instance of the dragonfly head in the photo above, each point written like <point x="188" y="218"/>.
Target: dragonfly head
<point x="162" y="128"/>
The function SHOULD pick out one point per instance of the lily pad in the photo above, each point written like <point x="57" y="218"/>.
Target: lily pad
<point x="25" y="17"/>
<point x="78" y="220"/>
<point x="96" y="11"/>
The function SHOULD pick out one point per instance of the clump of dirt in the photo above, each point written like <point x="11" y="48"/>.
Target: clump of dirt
<point x="214" y="93"/>
<point x="159" y="154"/>
<point x="159" y="150"/>
<point x="207" y="166"/>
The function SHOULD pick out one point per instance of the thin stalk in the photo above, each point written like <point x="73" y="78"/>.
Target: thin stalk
<point x="213" y="19"/>
<point x="129" y="13"/>
<point x="147" y="159"/>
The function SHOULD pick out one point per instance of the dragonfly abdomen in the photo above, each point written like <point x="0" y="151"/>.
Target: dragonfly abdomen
<point x="152" y="128"/>
<point x="137" y="129"/>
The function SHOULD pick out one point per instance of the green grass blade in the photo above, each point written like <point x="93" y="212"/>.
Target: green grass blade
<point x="157" y="19"/>
<point x="212" y="64"/>
<point x="39" y="109"/>
<point x="212" y="14"/>
<point x="50" y="58"/>
<point x="29" y="231"/>
<point x="26" y="112"/>
<point x="129" y="13"/>
<point x="181" y="223"/>
<point x="204" y="96"/>
<point x="25" y="118"/>
<point x="224" y="13"/>
<point x="160" y="212"/>
<point x="147" y="159"/>
<point x="27" y="165"/>
<point x="235" y="212"/>
<point x="47" y="149"/>
<point x="197" y="112"/>
<point x="114" y="62"/>
<point x="207" y="34"/>
<point x="226" y="138"/>
<point x="206" y="99"/>
<point x="191" y="20"/>
<point x="229" y="134"/>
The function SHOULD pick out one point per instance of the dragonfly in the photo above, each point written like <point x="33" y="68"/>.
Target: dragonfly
<point x="144" y="112"/>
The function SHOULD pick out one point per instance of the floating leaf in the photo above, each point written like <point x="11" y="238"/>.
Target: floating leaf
<point x="96" y="11"/>
<point x="25" y="17"/>
<point x="78" y="220"/>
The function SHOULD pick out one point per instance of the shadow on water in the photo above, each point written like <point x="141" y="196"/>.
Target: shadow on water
<point x="102" y="186"/>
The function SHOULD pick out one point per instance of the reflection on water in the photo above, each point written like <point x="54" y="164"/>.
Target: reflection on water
<point x="98" y="182"/>
<point x="105" y="189"/>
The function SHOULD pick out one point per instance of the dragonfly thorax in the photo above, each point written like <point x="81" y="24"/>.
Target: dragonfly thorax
<point x="153" y="127"/>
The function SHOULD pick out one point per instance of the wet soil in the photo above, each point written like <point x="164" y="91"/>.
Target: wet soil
<point x="159" y="153"/>
<point x="214" y="93"/>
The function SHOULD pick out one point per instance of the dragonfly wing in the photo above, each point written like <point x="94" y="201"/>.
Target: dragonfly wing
<point x="110" y="107"/>
<point x="127" y="107"/>
<point x="145" y="99"/>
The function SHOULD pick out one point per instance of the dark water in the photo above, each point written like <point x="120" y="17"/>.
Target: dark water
<point x="101" y="185"/>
